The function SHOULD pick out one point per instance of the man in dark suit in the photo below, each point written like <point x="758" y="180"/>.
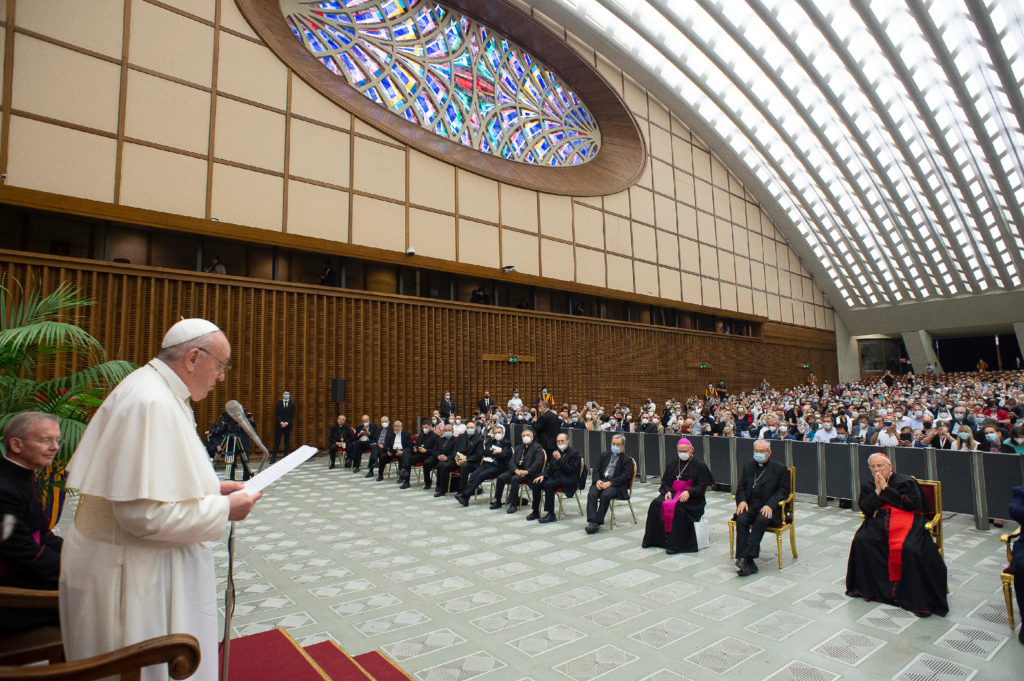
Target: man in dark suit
<point x="468" y="453"/>
<point x="379" y="446"/>
<point x="284" y="417"/>
<point x="546" y="427"/>
<point x="609" y="481"/>
<point x="763" y="484"/>
<point x="401" y="442"/>
<point x="485" y="403"/>
<point x="421" y="450"/>
<point x="443" y="460"/>
<point x="29" y="551"/>
<point x="339" y="439"/>
<point x="524" y="465"/>
<point x="1017" y="564"/>
<point x="562" y="471"/>
<point x="496" y="455"/>
<point x="447" y="407"/>
<point x="366" y="435"/>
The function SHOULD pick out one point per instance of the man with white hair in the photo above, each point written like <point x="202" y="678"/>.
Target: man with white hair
<point x="29" y="551"/>
<point x="137" y="562"/>
<point x="892" y="557"/>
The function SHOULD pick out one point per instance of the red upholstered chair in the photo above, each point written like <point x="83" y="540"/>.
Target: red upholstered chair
<point x="932" y="490"/>
<point x="1007" y="577"/>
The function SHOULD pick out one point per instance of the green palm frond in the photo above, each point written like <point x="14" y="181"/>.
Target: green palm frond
<point x="48" y="338"/>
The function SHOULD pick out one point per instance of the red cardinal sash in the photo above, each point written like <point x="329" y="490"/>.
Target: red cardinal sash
<point x="900" y="522"/>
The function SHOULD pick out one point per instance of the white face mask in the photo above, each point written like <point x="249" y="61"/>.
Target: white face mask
<point x="685" y="456"/>
<point x="527" y="439"/>
<point x="1019" y="440"/>
<point x="562" y="448"/>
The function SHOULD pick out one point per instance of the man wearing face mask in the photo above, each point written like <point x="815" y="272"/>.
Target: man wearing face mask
<point x="418" y="453"/>
<point x="444" y="451"/>
<point x="546" y="427"/>
<point x="401" y="443"/>
<point x="609" y="481"/>
<point x="827" y="432"/>
<point x="284" y="417"/>
<point x="339" y="439"/>
<point x="469" y="451"/>
<point x="763" y="484"/>
<point x="524" y="465"/>
<point x="379" y="447"/>
<point x="679" y="504"/>
<point x="1015" y="443"/>
<point x="496" y="454"/>
<point x="366" y="435"/>
<point x="515" y="403"/>
<point x="562" y="472"/>
<point x="447" y="407"/>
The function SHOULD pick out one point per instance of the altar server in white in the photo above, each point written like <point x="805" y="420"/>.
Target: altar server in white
<point x="137" y="562"/>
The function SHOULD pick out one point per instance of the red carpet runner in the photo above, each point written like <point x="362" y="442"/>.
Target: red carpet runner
<point x="274" y="655"/>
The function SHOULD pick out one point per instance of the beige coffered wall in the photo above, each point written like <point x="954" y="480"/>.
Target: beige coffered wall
<point x="177" y="106"/>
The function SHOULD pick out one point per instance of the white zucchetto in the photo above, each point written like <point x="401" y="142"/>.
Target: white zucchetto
<point x="186" y="330"/>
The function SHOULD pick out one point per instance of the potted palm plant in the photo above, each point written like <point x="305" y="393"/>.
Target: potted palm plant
<point x="50" y="364"/>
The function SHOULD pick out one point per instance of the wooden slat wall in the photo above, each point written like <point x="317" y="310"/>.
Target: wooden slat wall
<point x="399" y="354"/>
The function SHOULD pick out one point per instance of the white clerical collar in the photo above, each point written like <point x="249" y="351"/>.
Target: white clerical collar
<point x="174" y="382"/>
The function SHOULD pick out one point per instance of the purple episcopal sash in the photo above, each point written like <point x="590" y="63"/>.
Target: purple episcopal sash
<point x="668" y="508"/>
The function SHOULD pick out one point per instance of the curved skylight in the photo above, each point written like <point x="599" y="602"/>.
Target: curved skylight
<point x="449" y="74"/>
<point x="889" y="133"/>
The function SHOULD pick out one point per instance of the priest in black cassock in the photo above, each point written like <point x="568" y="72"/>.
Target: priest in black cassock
<point x="679" y="504"/>
<point x="892" y="558"/>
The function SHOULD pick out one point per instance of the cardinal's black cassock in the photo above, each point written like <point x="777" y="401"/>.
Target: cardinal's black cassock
<point x="892" y="558"/>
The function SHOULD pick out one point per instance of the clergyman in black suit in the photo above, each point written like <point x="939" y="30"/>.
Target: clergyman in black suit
<point x="366" y="435"/>
<point x="524" y="465"/>
<point x="562" y="472"/>
<point x="546" y="427"/>
<point x="763" y="484"/>
<point x="382" y="441"/>
<point x="339" y="439"/>
<point x="284" y="418"/>
<point x="609" y="481"/>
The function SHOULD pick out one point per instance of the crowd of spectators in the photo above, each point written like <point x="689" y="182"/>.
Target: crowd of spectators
<point x="974" y="411"/>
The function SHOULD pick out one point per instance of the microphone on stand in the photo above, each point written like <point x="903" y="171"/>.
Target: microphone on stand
<point x="235" y="411"/>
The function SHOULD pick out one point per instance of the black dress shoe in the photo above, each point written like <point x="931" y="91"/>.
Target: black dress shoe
<point x="330" y="467"/>
<point x="356" y="469"/>
<point x="369" y="475"/>
<point x="380" y="478"/>
<point x="592" y="528"/>
<point x="428" y="485"/>
<point x="739" y="563"/>
<point x="495" y="505"/>
<point x="749" y="568"/>
<point x="439" y="493"/>
<point x="549" y="518"/>
<point x="405" y="485"/>
<point x="512" y="509"/>
<point x="533" y="516"/>
<point x="462" y="498"/>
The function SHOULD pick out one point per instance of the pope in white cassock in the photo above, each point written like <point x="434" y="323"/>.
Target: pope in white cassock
<point x="138" y="561"/>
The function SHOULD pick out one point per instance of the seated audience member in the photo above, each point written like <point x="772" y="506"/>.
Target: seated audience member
<point x="763" y="484"/>
<point x="679" y="504"/>
<point x="496" y="455"/>
<point x="365" y="435"/>
<point x="379" y="448"/>
<point x="29" y="551"/>
<point x="467" y="453"/>
<point x="524" y="464"/>
<point x="993" y="441"/>
<point x="400" y="444"/>
<point x="562" y="472"/>
<point x="888" y="436"/>
<point x="421" y="450"/>
<point x="610" y="480"/>
<point x="1015" y="443"/>
<point x="1017" y="563"/>
<point x="964" y="439"/>
<point x="893" y="558"/>
<point x="339" y="439"/>
<point x="444" y="451"/>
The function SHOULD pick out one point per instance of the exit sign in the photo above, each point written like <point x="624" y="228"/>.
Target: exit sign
<point x="703" y="365"/>
<point x="513" y="359"/>
<point x="806" y="366"/>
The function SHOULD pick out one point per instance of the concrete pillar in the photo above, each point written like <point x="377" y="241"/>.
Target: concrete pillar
<point x="381" y="278"/>
<point x="921" y="349"/>
<point x="847" y="354"/>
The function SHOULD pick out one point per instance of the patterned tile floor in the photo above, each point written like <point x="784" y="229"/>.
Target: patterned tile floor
<point x="467" y="593"/>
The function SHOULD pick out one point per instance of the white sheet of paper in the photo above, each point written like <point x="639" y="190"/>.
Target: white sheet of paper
<point x="271" y="475"/>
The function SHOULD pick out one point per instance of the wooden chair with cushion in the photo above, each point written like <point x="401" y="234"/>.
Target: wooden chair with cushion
<point x="628" y="499"/>
<point x="179" y="651"/>
<point x="559" y="493"/>
<point x="932" y="490"/>
<point x="1007" y="576"/>
<point x="786" y="508"/>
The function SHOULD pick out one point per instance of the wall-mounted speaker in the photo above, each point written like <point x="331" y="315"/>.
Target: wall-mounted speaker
<point x="337" y="389"/>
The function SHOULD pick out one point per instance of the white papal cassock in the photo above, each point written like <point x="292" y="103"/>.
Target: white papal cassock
<point x="136" y="563"/>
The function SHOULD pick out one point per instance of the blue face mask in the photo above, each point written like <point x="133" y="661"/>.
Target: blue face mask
<point x="963" y="434"/>
<point x="991" y="437"/>
<point x="447" y="433"/>
<point x="759" y="457"/>
<point x="616" y="449"/>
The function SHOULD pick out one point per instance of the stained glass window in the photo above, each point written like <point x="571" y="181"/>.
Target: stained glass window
<point x="449" y="74"/>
